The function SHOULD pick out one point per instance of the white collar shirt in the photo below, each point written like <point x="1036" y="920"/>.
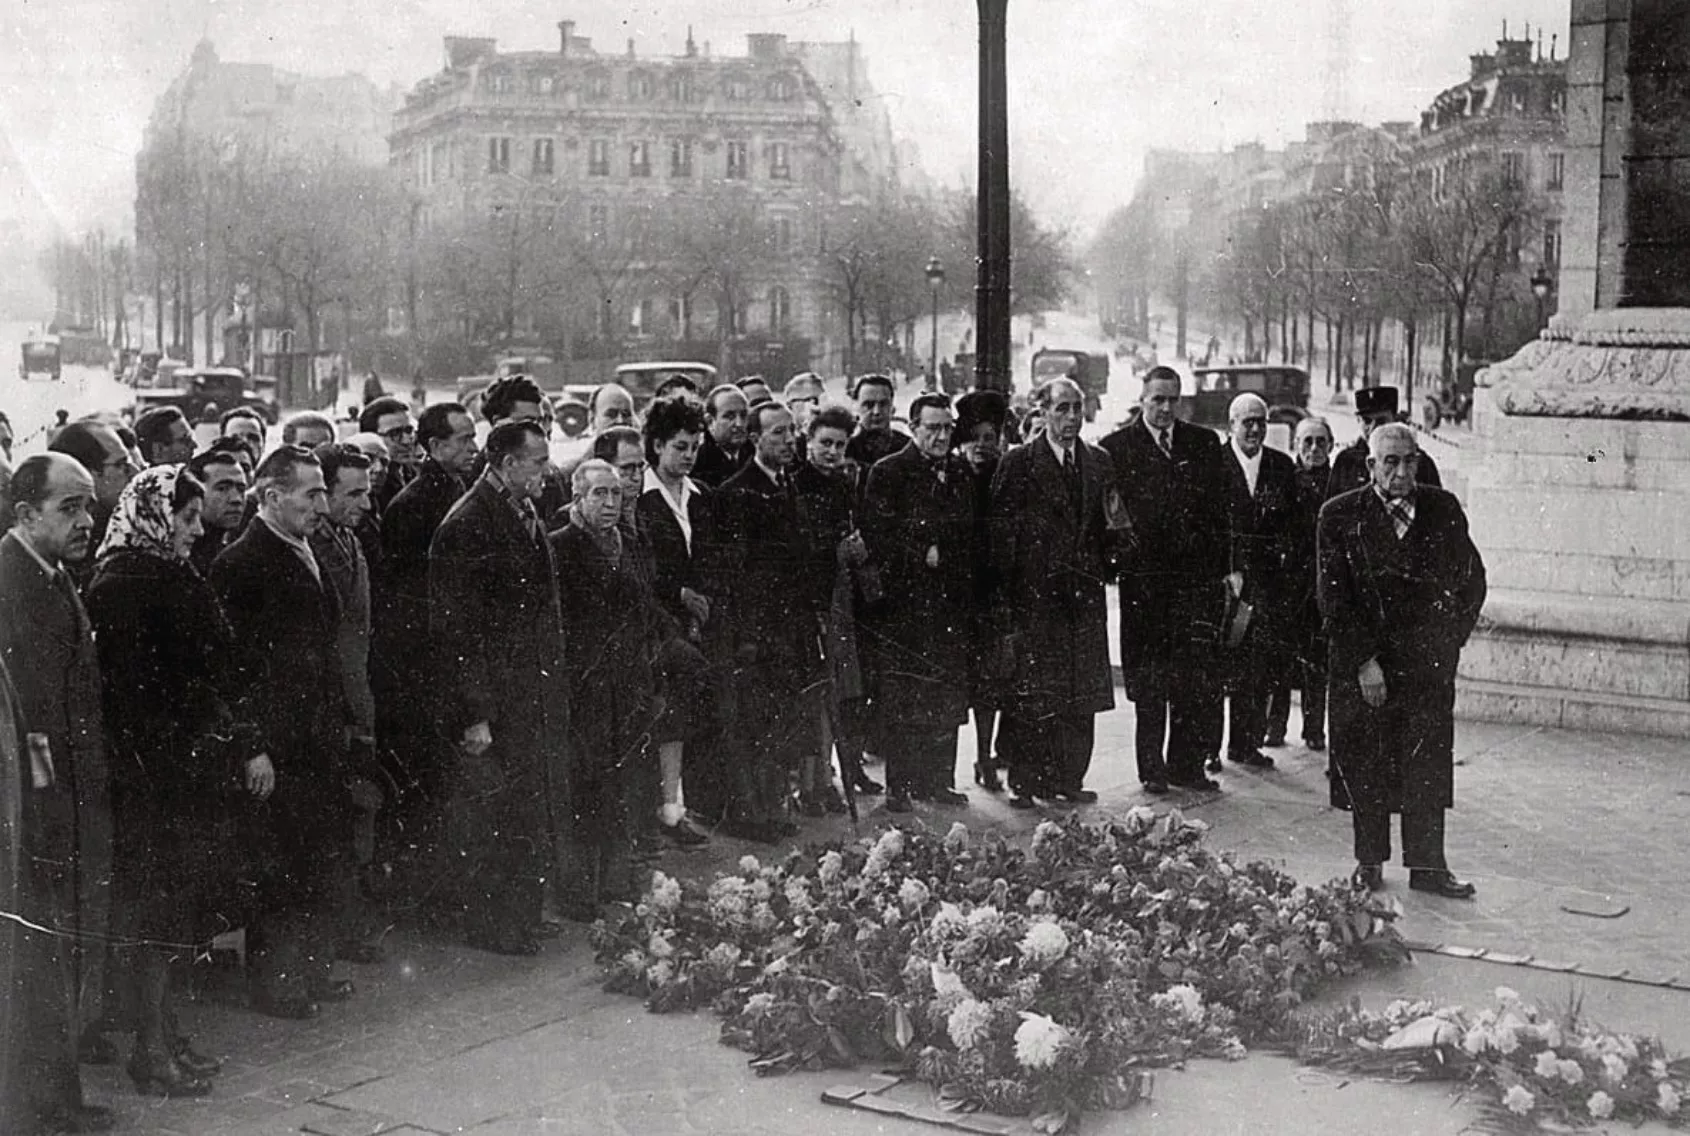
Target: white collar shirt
<point x="1252" y="466"/>
<point x="1062" y="455"/>
<point x="678" y="505"/>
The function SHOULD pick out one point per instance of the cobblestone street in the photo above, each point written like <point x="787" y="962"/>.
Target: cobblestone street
<point x="1562" y="832"/>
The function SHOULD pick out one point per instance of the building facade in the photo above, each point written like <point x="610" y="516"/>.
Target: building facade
<point x="692" y="188"/>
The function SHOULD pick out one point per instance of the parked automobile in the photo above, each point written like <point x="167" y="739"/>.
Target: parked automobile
<point x="192" y="389"/>
<point x="40" y="359"/>
<point x="1090" y="371"/>
<point x="1285" y="389"/>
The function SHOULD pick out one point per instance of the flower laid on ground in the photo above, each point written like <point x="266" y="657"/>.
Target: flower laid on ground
<point x="1039" y="981"/>
<point x="1533" y="1070"/>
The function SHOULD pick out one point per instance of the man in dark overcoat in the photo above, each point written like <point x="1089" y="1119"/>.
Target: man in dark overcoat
<point x="65" y="832"/>
<point x="404" y="673"/>
<point x="724" y="450"/>
<point x="771" y="593"/>
<point x="1261" y="496"/>
<point x="1172" y="546"/>
<point x="1375" y="407"/>
<point x="1301" y="661"/>
<point x="610" y="618"/>
<point x="497" y="631"/>
<point x="289" y="684"/>
<point x="1400" y="587"/>
<point x="918" y="519"/>
<point x="1049" y="544"/>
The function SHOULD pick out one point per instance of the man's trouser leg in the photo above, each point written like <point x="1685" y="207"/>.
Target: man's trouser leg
<point x="1423" y="840"/>
<point x="1151" y="736"/>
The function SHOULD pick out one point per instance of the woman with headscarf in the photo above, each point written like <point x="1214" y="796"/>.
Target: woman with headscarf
<point x="176" y="757"/>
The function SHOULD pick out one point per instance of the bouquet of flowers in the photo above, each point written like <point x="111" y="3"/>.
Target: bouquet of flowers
<point x="1043" y="981"/>
<point x="1533" y="1071"/>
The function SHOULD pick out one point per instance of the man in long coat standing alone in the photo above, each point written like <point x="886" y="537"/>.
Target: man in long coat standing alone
<point x="1050" y="548"/>
<point x="1400" y="588"/>
<point x="497" y="633"/>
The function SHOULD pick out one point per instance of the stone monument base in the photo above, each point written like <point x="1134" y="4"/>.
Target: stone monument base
<point x="1580" y="503"/>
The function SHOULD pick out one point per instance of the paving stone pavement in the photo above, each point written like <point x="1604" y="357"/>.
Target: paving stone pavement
<point x="443" y="1039"/>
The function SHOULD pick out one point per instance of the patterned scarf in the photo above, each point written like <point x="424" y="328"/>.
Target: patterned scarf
<point x="142" y="521"/>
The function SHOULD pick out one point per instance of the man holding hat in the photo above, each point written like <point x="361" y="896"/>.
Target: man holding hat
<point x="1375" y="406"/>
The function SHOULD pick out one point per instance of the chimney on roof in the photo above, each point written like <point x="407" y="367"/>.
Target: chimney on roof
<point x="565" y="33"/>
<point x="630" y="47"/>
<point x="1552" y="38"/>
<point x="692" y="44"/>
<point x="707" y="49"/>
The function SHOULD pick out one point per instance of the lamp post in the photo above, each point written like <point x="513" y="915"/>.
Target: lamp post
<point x="935" y="281"/>
<point x="1541" y="284"/>
<point x="991" y="298"/>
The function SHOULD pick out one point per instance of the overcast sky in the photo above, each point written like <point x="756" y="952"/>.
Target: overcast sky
<point x="1093" y="83"/>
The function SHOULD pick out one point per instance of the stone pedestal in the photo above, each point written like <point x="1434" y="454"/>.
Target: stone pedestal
<point x="1580" y="503"/>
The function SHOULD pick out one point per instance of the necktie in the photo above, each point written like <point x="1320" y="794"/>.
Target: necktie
<point x="531" y="519"/>
<point x="1165" y="440"/>
<point x="1401" y="518"/>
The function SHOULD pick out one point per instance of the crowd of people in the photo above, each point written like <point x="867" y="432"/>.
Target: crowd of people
<point x="282" y="683"/>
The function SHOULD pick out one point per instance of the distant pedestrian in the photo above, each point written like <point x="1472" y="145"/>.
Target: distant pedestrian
<point x="1400" y="587"/>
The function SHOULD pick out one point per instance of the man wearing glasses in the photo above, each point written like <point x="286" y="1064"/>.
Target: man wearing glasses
<point x="391" y="418"/>
<point x="1300" y="660"/>
<point x="102" y="453"/>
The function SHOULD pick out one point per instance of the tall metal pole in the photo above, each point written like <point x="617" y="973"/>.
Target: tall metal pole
<point x="991" y="292"/>
<point x="933" y="355"/>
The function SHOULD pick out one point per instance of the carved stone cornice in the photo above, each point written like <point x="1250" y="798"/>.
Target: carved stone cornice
<point x="1627" y="363"/>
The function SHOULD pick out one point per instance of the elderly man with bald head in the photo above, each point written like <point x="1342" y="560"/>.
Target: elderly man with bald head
<point x="1261" y="499"/>
<point x="1400" y="587"/>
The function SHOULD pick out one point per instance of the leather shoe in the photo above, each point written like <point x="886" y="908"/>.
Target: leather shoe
<point x="1077" y="796"/>
<point x="1368" y="877"/>
<point x="1156" y="787"/>
<point x="79" y="1118"/>
<point x="1441" y="883"/>
<point x="336" y="990"/>
<point x="898" y="803"/>
<point x="193" y="1061"/>
<point x="949" y="797"/>
<point x="684" y="834"/>
<point x="293" y="1009"/>
<point x="365" y="954"/>
<point x="1315" y="744"/>
<point x="1254" y="758"/>
<point x="1275" y="741"/>
<point x="866" y="784"/>
<point x="520" y="944"/>
<point x="1213" y="765"/>
<point x="95" y="1049"/>
<point x="1020" y="801"/>
<point x="1200" y="783"/>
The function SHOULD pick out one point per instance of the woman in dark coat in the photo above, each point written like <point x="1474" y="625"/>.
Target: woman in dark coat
<point x="979" y="439"/>
<point x="176" y="757"/>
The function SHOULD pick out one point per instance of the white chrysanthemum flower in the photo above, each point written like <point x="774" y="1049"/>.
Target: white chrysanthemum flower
<point x="659" y="946"/>
<point x="633" y="960"/>
<point x="760" y="1004"/>
<point x="661" y="972"/>
<point x="912" y="893"/>
<point x="1476" y="1041"/>
<point x="831" y="867"/>
<point x="891" y="843"/>
<point x="1039" y="1041"/>
<point x="749" y="865"/>
<point x="948" y="920"/>
<point x="1658" y="1068"/>
<point x="1547" y="1066"/>
<point x="1183" y="1000"/>
<point x="1047" y="831"/>
<point x="875" y="865"/>
<point x="1507" y="1039"/>
<point x="1518" y="1100"/>
<point x="985" y="917"/>
<point x="1508" y="996"/>
<point x="1234" y="1050"/>
<point x="947" y="984"/>
<point x="969" y="1024"/>
<point x="1044" y="943"/>
<point x="1614" y="1069"/>
<point x="1038" y="900"/>
<point x="1570" y="1071"/>
<point x="798" y="893"/>
<point x="722" y="955"/>
<point x="1138" y="819"/>
<point x="1666" y="1099"/>
<point x="665" y="892"/>
<point x="1550" y="1034"/>
<point x="1600" y="1104"/>
<point x="957" y="837"/>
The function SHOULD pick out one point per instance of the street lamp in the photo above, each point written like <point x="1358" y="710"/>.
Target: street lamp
<point x="991" y="292"/>
<point x="935" y="281"/>
<point x="1541" y="284"/>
